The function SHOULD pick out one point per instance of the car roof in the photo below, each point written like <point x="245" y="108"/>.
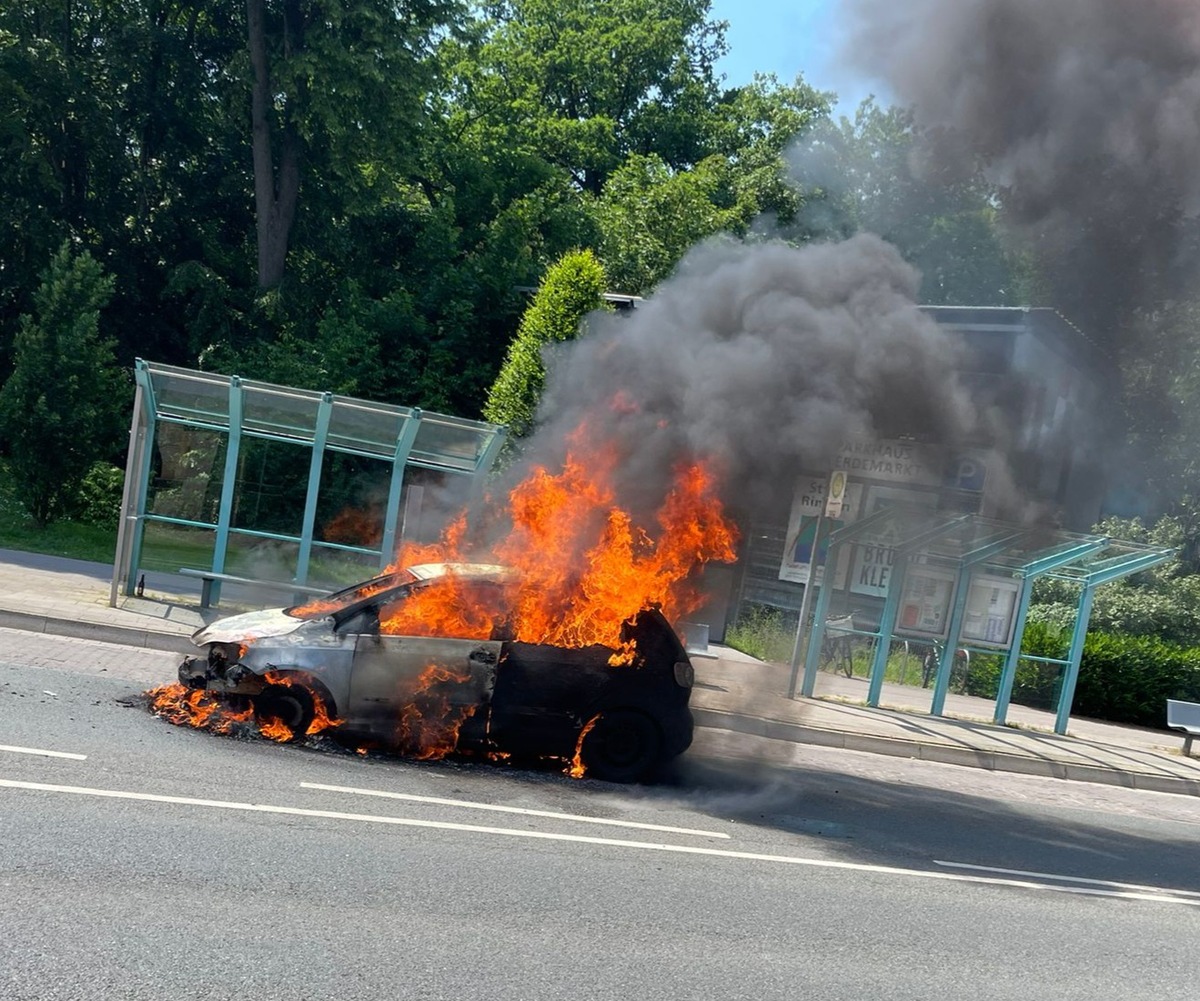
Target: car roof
<point x="430" y="571"/>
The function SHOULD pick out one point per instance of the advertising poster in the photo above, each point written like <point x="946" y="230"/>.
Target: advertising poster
<point x="875" y="556"/>
<point x="925" y="602"/>
<point x="991" y="610"/>
<point x="810" y="497"/>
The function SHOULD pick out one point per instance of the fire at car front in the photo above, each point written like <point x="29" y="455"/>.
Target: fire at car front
<point x="235" y="656"/>
<point x="268" y="667"/>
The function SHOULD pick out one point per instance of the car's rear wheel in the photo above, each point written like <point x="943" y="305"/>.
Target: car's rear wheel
<point x="291" y="706"/>
<point x="623" y="746"/>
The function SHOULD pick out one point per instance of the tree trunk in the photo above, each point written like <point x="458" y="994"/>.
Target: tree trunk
<point x="276" y="185"/>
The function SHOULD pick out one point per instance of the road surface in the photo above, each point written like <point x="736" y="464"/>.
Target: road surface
<point x="141" y="860"/>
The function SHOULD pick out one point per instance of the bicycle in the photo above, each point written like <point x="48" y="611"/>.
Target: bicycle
<point x="837" y="647"/>
<point x="958" y="670"/>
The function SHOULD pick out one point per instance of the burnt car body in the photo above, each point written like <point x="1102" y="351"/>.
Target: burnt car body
<point x="494" y="696"/>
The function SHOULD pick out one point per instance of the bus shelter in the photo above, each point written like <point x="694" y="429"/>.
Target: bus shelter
<point x="960" y="586"/>
<point x="233" y="478"/>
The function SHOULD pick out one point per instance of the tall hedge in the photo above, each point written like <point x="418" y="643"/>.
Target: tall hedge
<point x="1122" y="679"/>
<point x="572" y="288"/>
<point x="1128" y="679"/>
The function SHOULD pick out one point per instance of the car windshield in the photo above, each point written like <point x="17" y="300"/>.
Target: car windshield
<point x="349" y="596"/>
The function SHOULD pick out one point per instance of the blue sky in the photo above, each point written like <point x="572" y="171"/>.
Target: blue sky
<point x="786" y="37"/>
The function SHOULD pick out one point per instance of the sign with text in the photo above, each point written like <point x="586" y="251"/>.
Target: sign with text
<point x="875" y="555"/>
<point x="837" y="494"/>
<point x="991" y="610"/>
<point x="809" y="501"/>
<point x="925" y="601"/>
<point x="907" y="462"/>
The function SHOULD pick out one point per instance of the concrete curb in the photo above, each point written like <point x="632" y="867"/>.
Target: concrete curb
<point x="798" y="733"/>
<point x="149" y="639"/>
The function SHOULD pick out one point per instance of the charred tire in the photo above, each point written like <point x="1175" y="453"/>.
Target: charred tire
<point x="291" y="705"/>
<point x="623" y="746"/>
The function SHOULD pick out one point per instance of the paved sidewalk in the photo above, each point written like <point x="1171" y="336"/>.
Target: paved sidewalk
<point x="733" y="692"/>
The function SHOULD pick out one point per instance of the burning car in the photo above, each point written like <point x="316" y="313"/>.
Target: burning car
<point x="429" y="660"/>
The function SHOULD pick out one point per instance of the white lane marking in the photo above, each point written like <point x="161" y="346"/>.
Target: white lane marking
<point x="553" y="814"/>
<point x="1069" y="879"/>
<point x="43" y="753"/>
<point x="581" y="839"/>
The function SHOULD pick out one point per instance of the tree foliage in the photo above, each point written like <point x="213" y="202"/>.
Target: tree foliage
<point x="1162" y="602"/>
<point x="572" y="288"/>
<point x="581" y="84"/>
<point x="271" y="190"/>
<point x="874" y="172"/>
<point x="64" y="402"/>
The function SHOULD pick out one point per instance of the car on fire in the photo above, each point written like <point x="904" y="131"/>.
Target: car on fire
<point x="447" y="693"/>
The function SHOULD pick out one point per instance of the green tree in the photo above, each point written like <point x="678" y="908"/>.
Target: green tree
<point x="878" y="172"/>
<point x="1162" y="602"/>
<point x="62" y="407"/>
<point x="581" y="84"/>
<point x="572" y="288"/>
<point x="650" y="212"/>
<point x="122" y="128"/>
<point x="650" y="215"/>
<point x="336" y="90"/>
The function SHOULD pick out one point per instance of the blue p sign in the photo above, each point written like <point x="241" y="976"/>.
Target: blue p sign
<point x="970" y="474"/>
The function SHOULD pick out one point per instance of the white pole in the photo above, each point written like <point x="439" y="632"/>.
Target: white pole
<point x="805" y="603"/>
<point x="133" y="465"/>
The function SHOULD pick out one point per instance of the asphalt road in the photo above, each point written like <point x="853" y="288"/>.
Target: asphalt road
<point x="161" y="863"/>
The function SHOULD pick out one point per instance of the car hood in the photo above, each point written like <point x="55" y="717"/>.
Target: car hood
<point x="250" y="626"/>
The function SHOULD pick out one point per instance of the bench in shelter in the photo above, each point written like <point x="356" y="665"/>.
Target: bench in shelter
<point x="1184" y="716"/>
<point x="210" y="577"/>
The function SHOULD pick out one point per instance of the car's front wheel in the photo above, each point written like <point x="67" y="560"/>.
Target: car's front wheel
<point x="284" y="712"/>
<point x="623" y="746"/>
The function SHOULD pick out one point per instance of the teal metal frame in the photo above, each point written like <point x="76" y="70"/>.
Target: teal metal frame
<point x="1030" y="572"/>
<point x="816" y="634"/>
<point x="320" y="436"/>
<point x="404" y="444"/>
<point x="962" y="589"/>
<point x="144" y="468"/>
<point x="1109" y="570"/>
<point x="233" y="448"/>
<point x="991" y="545"/>
<point x="218" y="404"/>
<point x="891" y="604"/>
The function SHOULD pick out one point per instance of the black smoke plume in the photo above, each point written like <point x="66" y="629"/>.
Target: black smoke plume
<point x="1085" y="114"/>
<point x="760" y="358"/>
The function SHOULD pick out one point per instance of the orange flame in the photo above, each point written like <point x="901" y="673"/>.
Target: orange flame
<point x="193" y="707"/>
<point x="322" y="606"/>
<point x="429" y="721"/>
<point x="444" y="609"/>
<point x="206" y="710"/>
<point x="577" y="769"/>
<point x="583" y="567"/>
<point x="355" y="527"/>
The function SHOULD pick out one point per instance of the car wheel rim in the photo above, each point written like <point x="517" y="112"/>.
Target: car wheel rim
<point x="290" y="712"/>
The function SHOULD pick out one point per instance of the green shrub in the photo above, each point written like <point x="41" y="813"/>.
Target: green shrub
<point x="763" y="632"/>
<point x="98" y="499"/>
<point x="1128" y="679"/>
<point x="65" y="400"/>
<point x="1122" y="679"/>
<point x="572" y="288"/>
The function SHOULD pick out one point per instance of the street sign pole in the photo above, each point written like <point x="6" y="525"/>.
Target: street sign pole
<point x="835" y="497"/>
<point x="805" y="603"/>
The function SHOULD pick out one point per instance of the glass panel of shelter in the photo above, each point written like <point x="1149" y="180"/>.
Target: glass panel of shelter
<point x="188" y="419"/>
<point x="981" y="613"/>
<point x="191" y="396"/>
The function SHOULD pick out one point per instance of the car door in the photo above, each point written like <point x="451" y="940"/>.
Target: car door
<point x="425" y="695"/>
